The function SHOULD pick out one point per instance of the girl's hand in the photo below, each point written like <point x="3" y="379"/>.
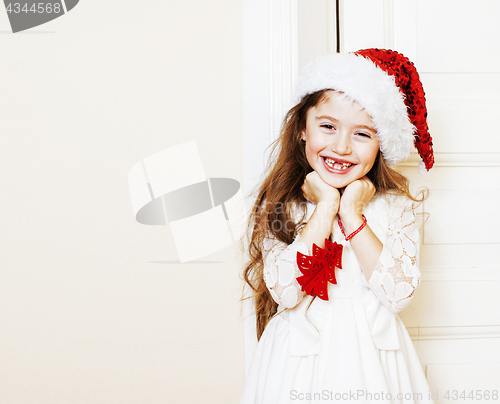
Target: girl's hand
<point x="316" y="190"/>
<point x="354" y="199"/>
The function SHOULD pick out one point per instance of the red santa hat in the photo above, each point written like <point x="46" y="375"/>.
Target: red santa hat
<point x="386" y="84"/>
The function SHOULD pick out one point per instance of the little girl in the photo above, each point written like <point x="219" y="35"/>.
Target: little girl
<point x="334" y="240"/>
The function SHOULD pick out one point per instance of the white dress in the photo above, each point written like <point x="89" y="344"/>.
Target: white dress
<point x="353" y="347"/>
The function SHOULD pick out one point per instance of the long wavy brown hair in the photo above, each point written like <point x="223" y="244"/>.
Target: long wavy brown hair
<point x="280" y="192"/>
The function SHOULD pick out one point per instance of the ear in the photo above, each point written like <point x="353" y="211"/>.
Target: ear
<point x="303" y="135"/>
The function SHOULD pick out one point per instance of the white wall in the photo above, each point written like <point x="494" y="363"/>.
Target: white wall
<point x="93" y="306"/>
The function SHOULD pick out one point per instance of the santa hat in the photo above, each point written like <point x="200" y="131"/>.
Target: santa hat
<point x="386" y="84"/>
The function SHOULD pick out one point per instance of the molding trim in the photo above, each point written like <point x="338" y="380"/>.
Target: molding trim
<point x="460" y="274"/>
<point x="439" y="333"/>
<point x="283" y="56"/>
<point x="270" y="68"/>
<point x="464" y="103"/>
<point x="270" y="64"/>
<point x="331" y="26"/>
<point x="457" y="160"/>
<point x="388" y="24"/>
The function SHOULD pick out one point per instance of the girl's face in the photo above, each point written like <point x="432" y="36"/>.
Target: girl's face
<point x="341" y="141"/>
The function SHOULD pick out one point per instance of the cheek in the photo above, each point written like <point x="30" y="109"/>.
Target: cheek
<point x="310" y="154"/>
<point x="315" y="142"/>
<point x="312" y="147"/>
<point x="371" y="155"/>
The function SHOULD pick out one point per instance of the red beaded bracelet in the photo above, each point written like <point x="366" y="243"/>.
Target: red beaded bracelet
<point x="347" y="238"/>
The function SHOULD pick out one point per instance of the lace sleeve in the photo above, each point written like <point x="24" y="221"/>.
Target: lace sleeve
<point x="281" y="270"/>
<point x="396" y="276"/>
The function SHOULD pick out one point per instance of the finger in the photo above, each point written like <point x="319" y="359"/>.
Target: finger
<point x="366" y="180"/>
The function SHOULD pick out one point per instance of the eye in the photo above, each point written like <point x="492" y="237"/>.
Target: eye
<point x="327" y="126"/>
<point x="363" y="134"/>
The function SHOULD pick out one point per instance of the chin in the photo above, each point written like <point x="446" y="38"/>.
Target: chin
<point x="337" y="182"/>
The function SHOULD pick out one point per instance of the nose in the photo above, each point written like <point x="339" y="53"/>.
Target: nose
<point x="341" y="144"/>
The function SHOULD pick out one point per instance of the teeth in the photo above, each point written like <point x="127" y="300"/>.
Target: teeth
<point x="337" y="166"/>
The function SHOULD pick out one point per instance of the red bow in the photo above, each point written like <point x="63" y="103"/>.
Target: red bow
<point x="319" y="269"/>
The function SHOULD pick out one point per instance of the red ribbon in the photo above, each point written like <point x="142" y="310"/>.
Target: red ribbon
<point x="319" y="269"/>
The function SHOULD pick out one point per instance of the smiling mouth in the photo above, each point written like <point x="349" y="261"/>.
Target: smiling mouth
<point x="337" y="165"/>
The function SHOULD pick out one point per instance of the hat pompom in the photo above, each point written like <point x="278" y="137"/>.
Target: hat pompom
<point x="421" y="168"/>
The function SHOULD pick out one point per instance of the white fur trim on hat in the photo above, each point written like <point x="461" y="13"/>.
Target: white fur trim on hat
<point x="372" y="88"/>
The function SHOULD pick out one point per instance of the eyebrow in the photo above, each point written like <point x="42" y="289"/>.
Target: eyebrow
<point x="325" y="116"/>
<point x="371" y="128"/>
<point x="368" y="127"/>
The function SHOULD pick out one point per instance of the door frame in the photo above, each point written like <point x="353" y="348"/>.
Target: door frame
<point x="270" y="66"/>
